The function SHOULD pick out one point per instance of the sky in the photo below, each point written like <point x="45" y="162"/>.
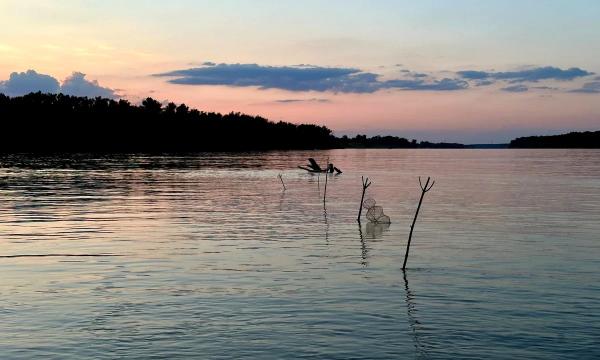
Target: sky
<point x="461" y="70"/>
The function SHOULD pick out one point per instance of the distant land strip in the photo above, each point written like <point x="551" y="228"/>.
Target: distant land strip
<point x="572" y="140"/>
<point x="57" y="123"/>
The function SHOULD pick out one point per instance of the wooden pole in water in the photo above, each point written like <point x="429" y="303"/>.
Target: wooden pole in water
<point x="281" y="178"/>
<point x="325" y="191"/>
<point x="319" y="183"/>
<point x="365" y="185"/>
<point x="424" y="189"/>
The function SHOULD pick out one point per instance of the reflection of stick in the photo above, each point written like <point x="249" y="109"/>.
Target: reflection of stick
<point x="365" y="185"/>
<point x="326" y="224"/>
<point x="424" y="189"/>
<point x="363" y="246"/>
<point x="281" y="178"/>
<point x="413" y="322"/>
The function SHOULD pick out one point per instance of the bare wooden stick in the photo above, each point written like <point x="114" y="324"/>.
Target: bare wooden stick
<point x="424" y="189"/>
<point x="282" y="183"/>
<point x="365" y="184"/>
<point x="325" y="191"/>
<point x="319" y="183"/>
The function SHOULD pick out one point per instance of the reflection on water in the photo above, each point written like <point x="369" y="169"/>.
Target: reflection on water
<point x="411" y="312"/>
<point x="55" y="255"/>
<point x="205" y="256"/>
<point x="374" y="231"/>
<point x="363" y="246"/>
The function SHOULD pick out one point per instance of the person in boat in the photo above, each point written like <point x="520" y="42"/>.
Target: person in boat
<point x="314" y="167"/>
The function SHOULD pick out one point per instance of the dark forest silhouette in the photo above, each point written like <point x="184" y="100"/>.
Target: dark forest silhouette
<point x="573" y="140"/>
<point x="61" y="123"/>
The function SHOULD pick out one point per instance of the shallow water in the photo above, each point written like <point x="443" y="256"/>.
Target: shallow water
<point x="205" y="256"/>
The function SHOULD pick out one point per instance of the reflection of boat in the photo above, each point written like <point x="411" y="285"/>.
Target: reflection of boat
<point x="314" y="167"/>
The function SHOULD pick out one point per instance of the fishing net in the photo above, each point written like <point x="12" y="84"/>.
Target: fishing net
<point x="375" y="213"/>
<point x="369" y="203"/>
<point x="384" y="219"/>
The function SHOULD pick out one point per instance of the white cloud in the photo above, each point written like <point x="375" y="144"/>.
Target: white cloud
<point x="78" y="85"/>
<point x="30" y="81"/>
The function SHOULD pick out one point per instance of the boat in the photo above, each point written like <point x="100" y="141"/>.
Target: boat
<point x="313" y="167"/>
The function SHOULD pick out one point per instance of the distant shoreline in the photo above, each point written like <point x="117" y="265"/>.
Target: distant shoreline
<point x="56" y="123"/>
<point x="572" y="140"/>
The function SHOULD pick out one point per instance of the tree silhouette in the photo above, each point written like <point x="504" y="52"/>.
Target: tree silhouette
<point x="40" y="122"/>
<point x="582" y="140"/>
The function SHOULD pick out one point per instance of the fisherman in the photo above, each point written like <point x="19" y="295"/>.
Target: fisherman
<point x="314" y="167"/>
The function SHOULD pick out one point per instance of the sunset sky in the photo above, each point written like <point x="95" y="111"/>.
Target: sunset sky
<point x="467" y="71"/>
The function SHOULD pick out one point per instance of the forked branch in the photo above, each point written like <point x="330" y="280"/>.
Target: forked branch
<point x="427" y="187"/>
<point x="424" y="189"/>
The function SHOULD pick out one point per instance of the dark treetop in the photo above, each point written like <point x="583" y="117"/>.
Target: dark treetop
<point x="60" y="123"/>
<point x="571" y="140"/>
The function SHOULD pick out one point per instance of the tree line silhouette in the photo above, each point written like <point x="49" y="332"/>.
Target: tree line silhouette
<point x="573" y="140"/>
<point x="40" y="122"/>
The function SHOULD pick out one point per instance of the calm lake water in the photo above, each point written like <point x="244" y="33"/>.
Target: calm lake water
<point x="206" y="257"/>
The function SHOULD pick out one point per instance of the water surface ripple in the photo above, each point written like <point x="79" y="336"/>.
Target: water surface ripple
<point x="204" y="256"/>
